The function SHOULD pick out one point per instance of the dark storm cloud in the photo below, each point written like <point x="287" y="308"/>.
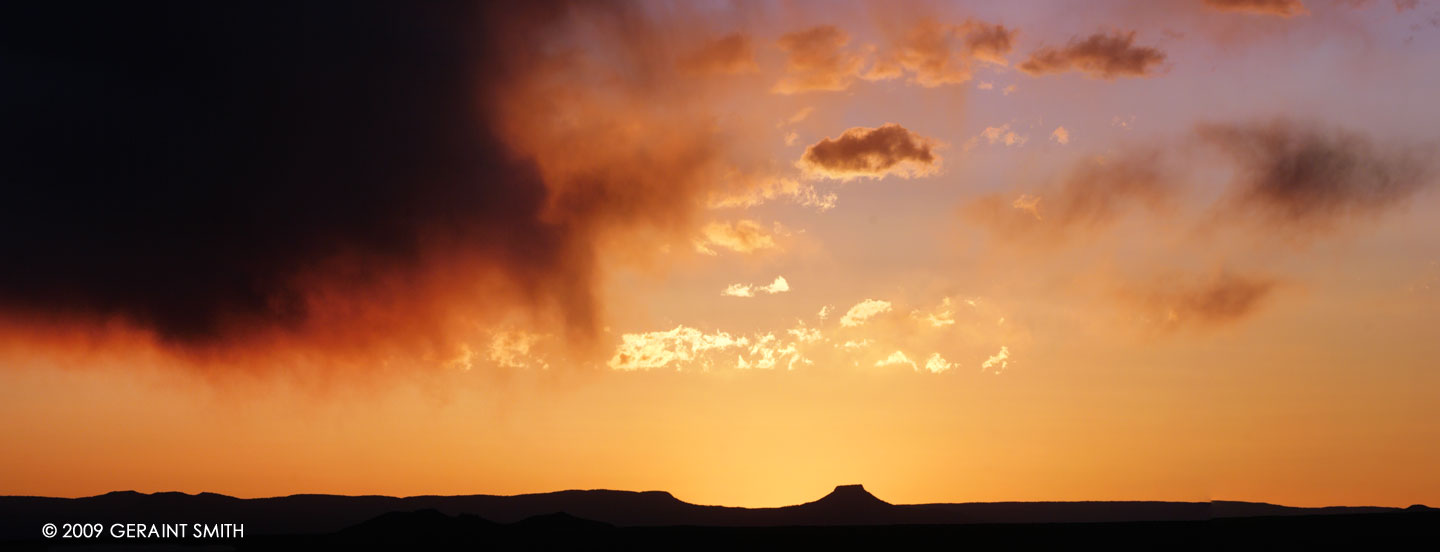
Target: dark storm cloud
<point x="206" y="171"/>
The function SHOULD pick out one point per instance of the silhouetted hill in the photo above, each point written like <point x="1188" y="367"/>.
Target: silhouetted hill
<point x="475" y="518"/>
<point x="431" y="530"/>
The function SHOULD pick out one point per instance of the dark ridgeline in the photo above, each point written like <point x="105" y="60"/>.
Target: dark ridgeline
<point x="657" y="520"/>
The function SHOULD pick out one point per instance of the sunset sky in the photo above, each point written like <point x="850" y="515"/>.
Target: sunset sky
<point x="742" y="252"/>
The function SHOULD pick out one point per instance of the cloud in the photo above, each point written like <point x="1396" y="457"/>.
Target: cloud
<point x="768" y="351"/>
<point x="1093" y="194"/>
<point x="800" y="115"/>
<point x="896" y="358"/>
<point x="679" y="346"/>
<point x="1060" y="135"/>
<point x="788" y="189"/>
<point x="1282" y="8"/>
<point x="871" y="153"/>
<point x="731" y="54"/>
<point x="937" y="54"/>
<point x="1307" y="177"/>
<point x="514" y="348"/>
<point x="824" y="312"/>
<point x="863" y="311"/>
<point x="818" y="61"/>
<point x="684" y="348"/>
<point x="943" y="315"/>
<point x="738" y="290"/>
<point x="1225" y="298"/>
<point x="741" y="236"/>
<point x="778" y="286"/>
<point x="805" y="335"/>
<point x="746" y="290"/>
<point x="1303" y="178"/>
<point x="234" y="200"/>
<point x="987" y="42"/>
<point x="998" y="361"/>
<point x="868" y="339"/>
<point x="1100" y="55"/>
<point x="1029" y="204"/>
<point x="1003" y="135"/>
<point x="937" y="364"/>
<point x="243" y="192"/>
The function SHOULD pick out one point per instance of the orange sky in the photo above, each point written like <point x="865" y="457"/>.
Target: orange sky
<point x="954" y="252"/>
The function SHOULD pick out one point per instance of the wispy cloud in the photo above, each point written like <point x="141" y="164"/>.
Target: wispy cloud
<point x="1282" y="8"/>
<point x="742" y="236"/>
<point x="935" y="54"/>
<point x="731" y="54"/>
<point x="1101" y="55"/>
<point x="864" y="311"/>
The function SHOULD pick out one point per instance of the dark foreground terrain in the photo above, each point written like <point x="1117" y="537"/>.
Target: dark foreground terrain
<point x="848" y="518"/>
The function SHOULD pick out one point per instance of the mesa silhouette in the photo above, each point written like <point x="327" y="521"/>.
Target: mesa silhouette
<point x="848" y="505"/>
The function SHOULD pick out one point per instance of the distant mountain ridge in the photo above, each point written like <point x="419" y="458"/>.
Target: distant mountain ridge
<point x="20" y="517"/>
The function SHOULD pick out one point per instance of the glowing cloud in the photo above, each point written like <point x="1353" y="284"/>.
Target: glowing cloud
<point x="646" y="351"/>
<point x="896" y="358"/>
<point x="803" y="334"/>
<point x="863" y="311"/>
<point x="997" y="361"/>
<point x="738" y="290"/>
<point x="937" y="364"/>
<point x="512" y="349"/>
<point x="745" y="290"/>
